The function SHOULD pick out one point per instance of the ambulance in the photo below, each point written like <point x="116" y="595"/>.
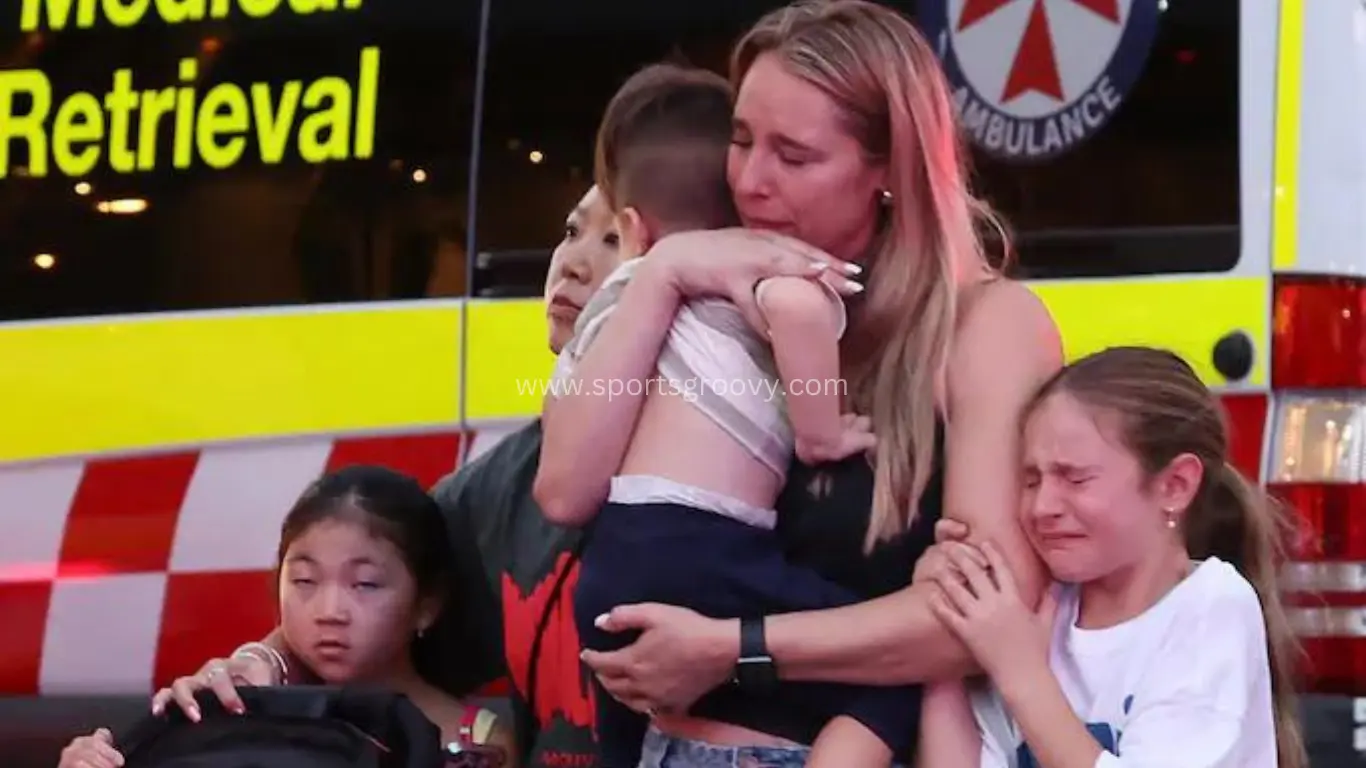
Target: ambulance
<point x="146" y="459"/>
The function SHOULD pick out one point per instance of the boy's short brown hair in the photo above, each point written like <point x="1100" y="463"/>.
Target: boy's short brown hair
<point x="661" y="148"/>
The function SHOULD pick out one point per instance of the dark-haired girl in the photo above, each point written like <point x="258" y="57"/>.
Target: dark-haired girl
<point x="363" y="575"/>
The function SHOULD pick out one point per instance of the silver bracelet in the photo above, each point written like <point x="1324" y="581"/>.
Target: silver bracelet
<point x="262" y="652"/>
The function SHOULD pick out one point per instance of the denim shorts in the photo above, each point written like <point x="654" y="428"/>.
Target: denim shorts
<point x="664" y="751"/>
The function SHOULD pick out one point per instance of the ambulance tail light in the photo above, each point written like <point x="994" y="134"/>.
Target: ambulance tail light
<point x="1317" y="466"/>
<point x="1319" y="333"/>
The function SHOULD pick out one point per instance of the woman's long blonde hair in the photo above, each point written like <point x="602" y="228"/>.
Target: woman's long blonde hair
<point x="896" y="101"/>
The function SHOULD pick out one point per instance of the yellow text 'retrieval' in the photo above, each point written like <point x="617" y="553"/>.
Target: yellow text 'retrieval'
<point x="329" y="119"/>
<point x="128" y="13"/>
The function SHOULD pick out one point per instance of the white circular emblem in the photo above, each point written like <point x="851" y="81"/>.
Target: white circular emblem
<point x="1032" y="78"/>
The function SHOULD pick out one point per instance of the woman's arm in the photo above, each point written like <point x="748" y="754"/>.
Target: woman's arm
<point x="571" y="482"/>
<point x="285" y="668"/>
<point x="1006" y="347"/>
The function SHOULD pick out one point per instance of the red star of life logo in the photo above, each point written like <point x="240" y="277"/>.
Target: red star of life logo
<point x="1035" y="67"/>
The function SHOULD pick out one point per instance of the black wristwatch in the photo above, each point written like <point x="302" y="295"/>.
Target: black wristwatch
<point x="755" y="672"/>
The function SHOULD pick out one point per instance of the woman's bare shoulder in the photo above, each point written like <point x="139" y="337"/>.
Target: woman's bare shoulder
<point x="1003" y="329"/>
<point x="1001" y="300"/>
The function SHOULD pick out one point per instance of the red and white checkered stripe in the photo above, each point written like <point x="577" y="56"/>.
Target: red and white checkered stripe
<point x="118" y="574"/>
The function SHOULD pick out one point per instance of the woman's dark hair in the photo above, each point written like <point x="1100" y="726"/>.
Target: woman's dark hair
<point x="394" y="507"/>
<point x="1166" y="411"/>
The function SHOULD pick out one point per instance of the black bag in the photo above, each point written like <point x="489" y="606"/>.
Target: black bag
<point x="289" y="727"/>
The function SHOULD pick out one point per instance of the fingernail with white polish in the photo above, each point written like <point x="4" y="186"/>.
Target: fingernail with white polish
<point x="853" y="268"/>
<point x="853" y="286"/>
<point x="600" y="621"/>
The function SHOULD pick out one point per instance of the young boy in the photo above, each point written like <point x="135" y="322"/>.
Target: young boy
<point x="690" y="516"/>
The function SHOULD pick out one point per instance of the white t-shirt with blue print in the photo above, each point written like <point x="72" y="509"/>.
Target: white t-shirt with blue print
<point x="1186" y="684"/>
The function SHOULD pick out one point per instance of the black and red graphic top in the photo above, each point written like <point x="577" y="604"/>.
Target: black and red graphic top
<point x="516" y="571"/>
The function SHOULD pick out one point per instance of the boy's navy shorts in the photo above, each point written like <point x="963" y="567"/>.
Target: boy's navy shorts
<point x="722" y="568"/>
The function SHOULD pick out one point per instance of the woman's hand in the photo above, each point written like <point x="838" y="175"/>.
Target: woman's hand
<point x="679" y="656"/>
<point x="728" y="263"/>
<point x="93" y="751"/>
<point x="982" y="606"/>
<point x="222" y="676"/>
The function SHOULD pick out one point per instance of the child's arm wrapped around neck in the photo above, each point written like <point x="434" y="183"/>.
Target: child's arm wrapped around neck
<point x="805" y="320"/>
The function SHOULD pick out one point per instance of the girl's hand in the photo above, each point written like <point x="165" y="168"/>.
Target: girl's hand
<point x="985" y="611"/>
<point x="728" y="263"/>
<point x="93" y="751"/>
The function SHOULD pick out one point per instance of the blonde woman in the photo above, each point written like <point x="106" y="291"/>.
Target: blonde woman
<point x="845" y="153"/>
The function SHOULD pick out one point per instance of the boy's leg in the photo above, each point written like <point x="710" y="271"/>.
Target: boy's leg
<point x="948" y="730"/>
<point x="846" y="742"/>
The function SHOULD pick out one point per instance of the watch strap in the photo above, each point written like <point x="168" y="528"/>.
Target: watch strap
<point x="753" y="645"/>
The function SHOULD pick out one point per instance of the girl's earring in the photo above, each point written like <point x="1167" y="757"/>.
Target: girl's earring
<point x="886" y="198"/>
<point x="1171" y="518"/>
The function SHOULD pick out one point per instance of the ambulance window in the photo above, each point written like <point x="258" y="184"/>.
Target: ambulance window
<point x="269" y="157"/>
<point x="539" y="120"/>
<point x="1137" y="171"/>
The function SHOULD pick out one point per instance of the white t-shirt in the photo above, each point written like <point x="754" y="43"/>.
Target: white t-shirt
<point x="1186" y="684"/>
<point x="714" y="359"/>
